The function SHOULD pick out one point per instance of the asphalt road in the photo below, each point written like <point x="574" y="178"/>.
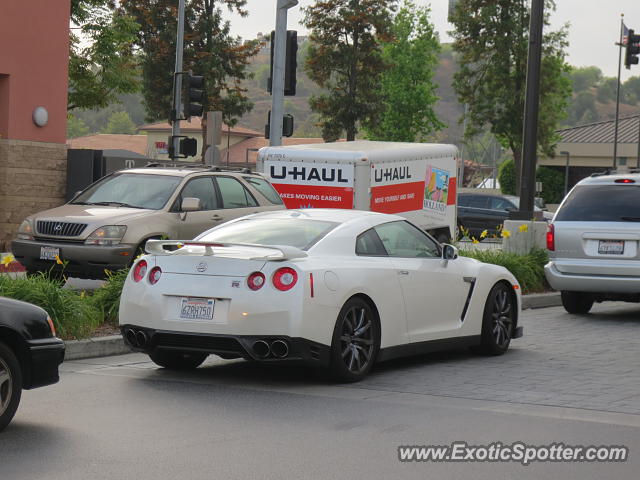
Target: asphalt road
<point x="571" y="379"/>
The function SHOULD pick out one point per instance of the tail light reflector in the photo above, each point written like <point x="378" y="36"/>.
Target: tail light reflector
<point x="551" y="238"/>
<point x="285" y="278"/>
<point x="139" y="271"/>
<point x="256" y="281"/>
<point x="154" y="275"/>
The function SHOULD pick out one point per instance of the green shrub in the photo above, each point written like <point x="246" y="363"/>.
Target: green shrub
<point x="507" y="177"/>
<point x="106" y="299"/>
<point x="552" y="184"/>
<point x="528" y="269"/>
<point x="72" y="314"/>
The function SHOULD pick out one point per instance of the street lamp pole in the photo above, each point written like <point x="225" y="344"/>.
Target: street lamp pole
<point x="566" y="171"/>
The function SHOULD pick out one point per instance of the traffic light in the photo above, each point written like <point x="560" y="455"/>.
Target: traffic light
<point x="187" y="147"/>
<point x="632" y="49"/>
<point x="291" y="63"/>
<point x="287" y="125"/>
<point x="195" y="96"/>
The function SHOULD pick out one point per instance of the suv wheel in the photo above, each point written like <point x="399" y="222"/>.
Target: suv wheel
<point x="576" y="302"/>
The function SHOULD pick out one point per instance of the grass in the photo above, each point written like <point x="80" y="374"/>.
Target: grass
<point x="106" y="299"/>
<point x="528" y="269"/>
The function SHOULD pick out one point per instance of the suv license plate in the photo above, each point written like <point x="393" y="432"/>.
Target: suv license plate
<point x="197" y="308"/>
<point x="49" y="253"/>
<point x="611" y="247"/>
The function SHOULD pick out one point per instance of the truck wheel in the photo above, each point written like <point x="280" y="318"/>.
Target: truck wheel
<point x="10" y="385"/>
<point x="576" y="302"/>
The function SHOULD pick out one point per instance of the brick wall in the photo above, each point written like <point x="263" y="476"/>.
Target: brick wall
<point x="33" y="177"/>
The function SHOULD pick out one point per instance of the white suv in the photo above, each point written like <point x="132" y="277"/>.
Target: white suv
<point x="593" y="242"/>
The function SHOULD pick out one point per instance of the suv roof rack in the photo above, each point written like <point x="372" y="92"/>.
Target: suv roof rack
<point x="610" y="171"/>
<point x="208" y="168"/>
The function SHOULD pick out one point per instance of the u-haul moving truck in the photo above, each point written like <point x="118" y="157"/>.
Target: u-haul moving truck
<point x="415" y="180"/>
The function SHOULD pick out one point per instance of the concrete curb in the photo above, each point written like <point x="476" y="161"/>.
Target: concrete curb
<point x="541" y="300"/>
<point x="95" y="347"/>
<point x="114" y="345"/>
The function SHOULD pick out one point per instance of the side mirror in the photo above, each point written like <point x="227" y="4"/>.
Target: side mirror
<point x="449" y="252"/>
<point x="190" y="204"/>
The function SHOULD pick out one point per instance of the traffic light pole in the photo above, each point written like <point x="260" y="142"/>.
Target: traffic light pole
<point x="530" y="128"/>
<point x="279" y="58"/>
<point x="615" y="128"/>
<point x="177" y="84"/>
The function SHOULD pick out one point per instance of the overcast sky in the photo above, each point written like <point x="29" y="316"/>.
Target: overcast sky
<point x="594" y="26"/>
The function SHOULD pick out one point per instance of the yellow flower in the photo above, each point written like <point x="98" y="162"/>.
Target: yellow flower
<point x="475" y="240"/>
<point x="7" y="260"/>
<point x="82" y="294"/>
<point x="58" y="261"/>
<point x="524" y="227"/>
<point x="506" y="233"/>
<point x="484" y="234"/>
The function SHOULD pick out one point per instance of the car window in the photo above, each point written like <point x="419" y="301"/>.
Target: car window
<point x="402" y="239"/>
<point x="498" y="203"/>
<point x="234" y="194"/>
<point x="477" y="201"/>
<point x="202" y="189"/>
<point x="135" y="189"/>
<point x="369" y="244"/>
<point x="265" y="188"/>
<point x="601" y="203"/>
<point x="294" y="232"/>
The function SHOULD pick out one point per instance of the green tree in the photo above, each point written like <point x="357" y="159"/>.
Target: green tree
<point x="584" y="78"/>
<point x="103" y="65"/>
<point x="582" y="109"/>
<point x="607" y="90"/>
<point x="209" y="50"/>
<point x="552" y="181"/>
<point x="76" y="127"/>
<point x="120" y="122"/>
<point x="507" y="177"/>
<point x="491" y="40"/>
<point x="407" y="89"/>
<point x="345" y="59"/>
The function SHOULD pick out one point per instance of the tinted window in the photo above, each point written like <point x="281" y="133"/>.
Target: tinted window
<point x="601" y="203"/>
<point x="369" y="244"/>
<point x="138" y="190"/>
<point x="294" y="232"/>
<point x="401" y="239"/>
<point x="477" y="201"/>
<point x="265" y="188"/>
<point x="202" y="189"/>
<point x="498" y="203"/>
<point x="234" y="195"/>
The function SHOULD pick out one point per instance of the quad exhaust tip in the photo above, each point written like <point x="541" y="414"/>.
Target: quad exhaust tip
<point x="279" y="348"/>
<point x="136" y="338"/>
<point x="261" y="348"/>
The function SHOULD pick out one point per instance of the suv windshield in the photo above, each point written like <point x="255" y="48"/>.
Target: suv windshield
<point x="293" y="232"/>
<point x="601" y="203"/>
<point x="130" y="190"/>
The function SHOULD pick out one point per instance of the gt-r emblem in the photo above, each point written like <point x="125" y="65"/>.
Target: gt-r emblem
<point x="201" y="267"/>
<point x="235" y="284"/>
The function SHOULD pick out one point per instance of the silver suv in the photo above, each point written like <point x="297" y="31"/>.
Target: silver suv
<point x="593" y="242"/>
<point x="105" y="226"/>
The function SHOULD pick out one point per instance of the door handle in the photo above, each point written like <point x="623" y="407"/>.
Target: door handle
<point x="403" y="272"/>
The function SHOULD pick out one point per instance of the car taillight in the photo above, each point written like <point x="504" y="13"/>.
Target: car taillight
<point x="551" y="238"/>
<point x="139" y="270"/>
<point x="624" y="180"/>
<point x="285" y="278"/>
<point x="154" y="275"/>
<point x="256" y="280"/>
<point x="51" y="326"/>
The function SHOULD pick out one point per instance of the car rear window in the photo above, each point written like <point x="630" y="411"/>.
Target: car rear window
<point x="601" y="203"/>
<point x="265" y="188"/>
<point x="293" y="232"/>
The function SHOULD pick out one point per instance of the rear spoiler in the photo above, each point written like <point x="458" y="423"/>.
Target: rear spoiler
<point x="271" y="252"/>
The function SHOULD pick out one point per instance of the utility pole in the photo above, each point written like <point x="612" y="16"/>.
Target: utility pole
<point x="279" y="58"/>
<point x="177" y="84"/>
<point x="615" y="128"/>
<point x="530" y="128"/>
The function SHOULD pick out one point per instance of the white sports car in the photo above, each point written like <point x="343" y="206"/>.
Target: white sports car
<point x="335" y="288"/>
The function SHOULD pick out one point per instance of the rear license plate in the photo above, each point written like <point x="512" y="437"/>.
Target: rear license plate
<point x="611" y="247"/>
<point x="49" y="253"/>
<point x="197" y="308"/>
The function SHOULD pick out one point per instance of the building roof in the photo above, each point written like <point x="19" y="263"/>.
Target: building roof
<point x="104" y="141"/>
<point x="196" y="126"/>
<point x="603" y="132"/>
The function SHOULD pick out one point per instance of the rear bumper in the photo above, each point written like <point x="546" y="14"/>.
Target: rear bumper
<point x="84" y="261"/>
<point x="299" y="350"/>
<point x="590" y="283"/>
<point x="44" y="358"/>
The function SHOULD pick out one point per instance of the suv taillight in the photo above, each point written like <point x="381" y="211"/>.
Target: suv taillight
<point x="139" y="270"/>
<point x="285" y="278"/>
<point x="551" y="238"/>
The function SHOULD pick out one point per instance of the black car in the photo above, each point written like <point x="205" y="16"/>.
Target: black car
<point x="30" y="353"/>
<point x="483" y="211"/>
